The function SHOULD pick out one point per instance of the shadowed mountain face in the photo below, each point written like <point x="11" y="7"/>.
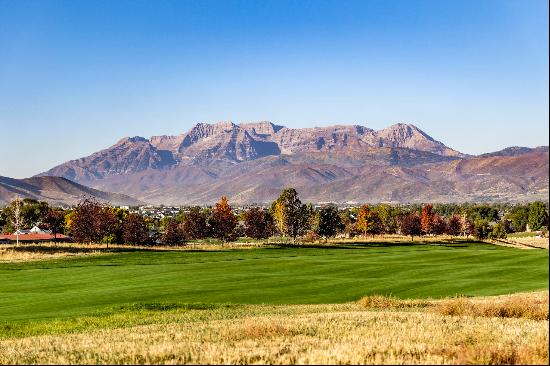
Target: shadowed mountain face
<point x="252" y="162"/>
<point x="57" y="191"/>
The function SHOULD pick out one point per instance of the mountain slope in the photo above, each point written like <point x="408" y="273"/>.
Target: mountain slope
<point x="226" y="141"/>
<point x="57" y="191"/>
<point x="253" y="162"/>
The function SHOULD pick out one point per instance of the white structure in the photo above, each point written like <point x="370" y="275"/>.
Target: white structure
<point x="36" y="230"/>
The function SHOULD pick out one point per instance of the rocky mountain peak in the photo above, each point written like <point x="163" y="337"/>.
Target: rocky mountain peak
<point x="411" y="137"/>
<point x="226" y="141"/>
<point x="135" y="139"/>
<point x="261" y="128"/>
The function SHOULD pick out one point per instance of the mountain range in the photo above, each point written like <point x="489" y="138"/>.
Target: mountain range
<point x="253" y="162"/>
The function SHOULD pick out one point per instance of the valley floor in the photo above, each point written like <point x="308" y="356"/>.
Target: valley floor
<point x="446" y="301"/>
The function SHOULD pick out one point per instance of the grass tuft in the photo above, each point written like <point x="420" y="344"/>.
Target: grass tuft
<point x="518" y="306"/>
<point x="387" y="302"/>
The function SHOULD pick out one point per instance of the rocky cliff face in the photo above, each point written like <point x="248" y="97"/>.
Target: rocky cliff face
<point x="252" y="162"/>
<point x="409" y="136"/>
<point x="128" y="155"/>
<point x="226" y="141"/>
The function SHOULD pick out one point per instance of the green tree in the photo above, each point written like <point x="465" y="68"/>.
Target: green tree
<point x="330" y="222"/>
<point x="3" y="220"/>
<point x="519" y="216"/>
<point x="54" y="220"/>
<point x="484" y="212"/>
<point x="498" y="231"/>
<point x="32" y="211"/>
<point x="482" y="229"/>
<point x="388" y="218"/>
<point x="290" y="215"/>
<point x="538" y="216"/>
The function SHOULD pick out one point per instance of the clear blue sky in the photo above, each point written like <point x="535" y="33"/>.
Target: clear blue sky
<point x="75" y="76"/>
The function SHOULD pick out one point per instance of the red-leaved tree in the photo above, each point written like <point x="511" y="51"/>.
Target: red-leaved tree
<point x="427" y="220"/>
<point x="410" y="224"/>
<point x="439" y="225"/>
<point x="454" y="226"/>
<point x="173" y="233"/>
<point x="258" y="223"/>
<point x="134" y="229"/>
<point x="224" y="221"/>
<point x="92" y="222"/>
<point x="195" y="224"/>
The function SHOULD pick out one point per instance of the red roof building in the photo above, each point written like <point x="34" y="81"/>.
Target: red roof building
<point x="33" y="238"/>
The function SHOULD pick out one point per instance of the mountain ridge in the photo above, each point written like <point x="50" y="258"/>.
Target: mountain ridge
<point x="252" y="162"/>
<point x="57" y="191"/>
<point x="237" y="143"/>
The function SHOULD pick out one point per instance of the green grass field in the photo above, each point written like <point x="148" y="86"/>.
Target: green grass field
<point x="65" y="288"/>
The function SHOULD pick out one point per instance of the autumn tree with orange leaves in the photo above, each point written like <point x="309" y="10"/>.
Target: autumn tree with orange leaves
<point x="224" y="221"/>
<point x="427" y="219"/>
<point x="362" y="223"/>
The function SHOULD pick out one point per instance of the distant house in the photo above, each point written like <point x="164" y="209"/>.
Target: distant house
<point x="33" y="235"/>
<point x="36" y="230"/>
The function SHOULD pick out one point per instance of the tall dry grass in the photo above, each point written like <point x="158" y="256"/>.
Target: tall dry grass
<point x="44" y="251"/>
<point x="526" y="306"/>
<point x="385" y="333"/>
<point x="532" y="306"/>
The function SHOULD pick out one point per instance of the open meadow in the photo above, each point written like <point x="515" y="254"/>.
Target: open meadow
<point x="348" y="302"/>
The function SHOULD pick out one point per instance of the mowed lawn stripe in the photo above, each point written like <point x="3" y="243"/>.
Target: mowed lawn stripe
<point x="79" y="286"/>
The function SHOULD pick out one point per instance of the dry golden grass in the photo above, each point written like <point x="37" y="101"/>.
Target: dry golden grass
<point x="44" y="251"/>
<point x="388" y="302"/>
<point x="532" y="241"/>
<point x="528" y="306"/>
<point x="301" y="334"/>
<point x="533" y="305"/>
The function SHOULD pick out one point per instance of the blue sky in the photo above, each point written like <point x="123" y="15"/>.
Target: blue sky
<point x="75" y="76"/>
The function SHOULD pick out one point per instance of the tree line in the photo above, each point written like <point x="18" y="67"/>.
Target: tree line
<point x="94" y="222"/>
